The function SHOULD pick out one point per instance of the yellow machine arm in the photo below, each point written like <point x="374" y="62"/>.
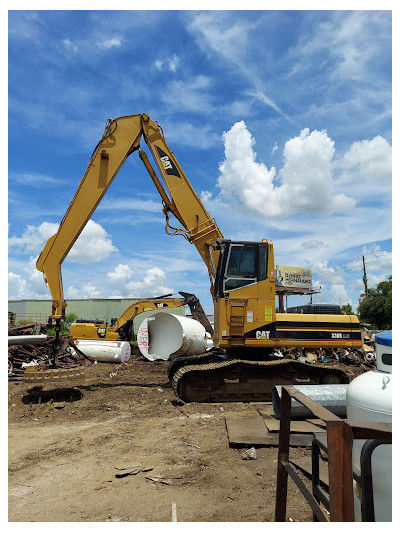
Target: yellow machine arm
<point x="122" y="137"/>
<point x="145" y="305"/>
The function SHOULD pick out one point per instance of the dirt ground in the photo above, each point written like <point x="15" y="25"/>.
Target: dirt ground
<point x="66" y="446"/>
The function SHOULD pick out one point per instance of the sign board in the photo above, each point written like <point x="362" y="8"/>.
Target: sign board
<point x="287" y="276"/>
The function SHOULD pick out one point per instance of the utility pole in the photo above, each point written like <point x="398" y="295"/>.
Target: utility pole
<point x="365" y="278"/>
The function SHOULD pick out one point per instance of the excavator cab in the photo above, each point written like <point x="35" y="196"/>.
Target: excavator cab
<point x="241" y="263"/>
<point x="244" y="294"/>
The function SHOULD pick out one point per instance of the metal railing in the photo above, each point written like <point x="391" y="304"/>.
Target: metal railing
<point x="340" y="434"/>
<point x="32" y="318"/>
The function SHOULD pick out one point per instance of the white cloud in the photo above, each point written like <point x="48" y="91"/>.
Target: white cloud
<point x="33" y="238"/>
<point x="340" y="295"/>
<point x="130" y="203"/>
<point x="193" y="95"/>
<point x="348" y="41"/>
<point x="378" y="260"/>
<point x="334" y="293"/>
<point x="86" y="290"/>
<point x="173" y="63"/>
<point x="221" y="34"/>
<point x="329" y="275"/>
<point x="314" y="244"/>
<point x="29" y="285"/>
<point x="69" y="45"/>
<point x="152" y="284"/>
<point x="33" y="178"/>
<point x="26" y="24"/>
<point x="110" y="43"/>
<point x="16" y="286"/>
<point x="226" y="37"/>
<point x="306" y="184"/>
<point x="92" y="245"/>
<point x="188" y="134"/>
<point x="353" y="42"/>
<point x="372" y="159"/>
<point x="120" y="275"/>
<point x="170" y="64"/>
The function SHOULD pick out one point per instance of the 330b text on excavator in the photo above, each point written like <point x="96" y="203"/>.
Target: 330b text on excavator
<point x="242" y="276"/>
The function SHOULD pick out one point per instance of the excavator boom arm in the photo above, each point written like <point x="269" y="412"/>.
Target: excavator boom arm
<point x="145" y="305"/>
<point x="122" y="137"/>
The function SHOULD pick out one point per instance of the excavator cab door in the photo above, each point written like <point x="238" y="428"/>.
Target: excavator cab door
<point x="243" y="294"/>
<point x="240" y="264"/>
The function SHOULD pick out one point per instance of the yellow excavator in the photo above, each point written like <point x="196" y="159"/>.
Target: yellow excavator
<point x="121" y="329"/>
<point x="247" y="329"/>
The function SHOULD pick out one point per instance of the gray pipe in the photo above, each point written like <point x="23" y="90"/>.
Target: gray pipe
<point x="332" y="397"/>
<point x="26" y="339"/>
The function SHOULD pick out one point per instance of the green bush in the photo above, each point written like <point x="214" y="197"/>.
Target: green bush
<point x="376" y="308"/>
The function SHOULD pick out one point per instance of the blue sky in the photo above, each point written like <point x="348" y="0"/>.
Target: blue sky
<point x="281" y="120"/>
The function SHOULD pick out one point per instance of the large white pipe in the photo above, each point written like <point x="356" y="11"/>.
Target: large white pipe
<point x="332" y="397"/>
<point x="26" y="339"/>
<point x="105" y="351"/>
<point x="166" y="336"/>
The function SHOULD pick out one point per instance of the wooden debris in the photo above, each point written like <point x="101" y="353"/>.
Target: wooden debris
<point x="247" y="428"/>
<point x="296" y="426"/>
<point x="172" y="475"/>
<point x="131" y="470"/>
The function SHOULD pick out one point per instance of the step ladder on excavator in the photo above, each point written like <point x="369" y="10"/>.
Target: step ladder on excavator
<point x="237" y="321"/>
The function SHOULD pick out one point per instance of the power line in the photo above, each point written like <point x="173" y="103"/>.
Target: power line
<point x="327" y="275"/>
<point x="351" y="259"/>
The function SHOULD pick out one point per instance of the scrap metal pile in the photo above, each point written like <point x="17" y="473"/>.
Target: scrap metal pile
<point x="365" y="357"/>
<point x="50" y="354"/>
<point x="21" y="329"/>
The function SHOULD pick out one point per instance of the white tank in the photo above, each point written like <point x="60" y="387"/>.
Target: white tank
<point x="369" y="399"/>
<point x="166" y="336"/>
<point x="105" y="351"/>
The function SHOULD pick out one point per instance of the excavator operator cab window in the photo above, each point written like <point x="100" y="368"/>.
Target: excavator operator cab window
<point x="241" y="264"/>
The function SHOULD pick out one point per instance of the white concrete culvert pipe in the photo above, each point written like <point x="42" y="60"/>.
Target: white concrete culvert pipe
<point x="332" y="397"/>
<point x="26" y="339"/>
<point x="166" y="336"/>
<point x="105" y="351"/>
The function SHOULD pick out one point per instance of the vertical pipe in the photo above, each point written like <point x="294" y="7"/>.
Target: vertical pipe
<point x="340" y="443"/>
<point x="280" y="298"/>
<point x="283" y="457"/>
<point x="365" y="278"/>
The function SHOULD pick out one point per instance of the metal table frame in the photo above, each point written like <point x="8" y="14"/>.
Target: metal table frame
<point x="340" y="435"/>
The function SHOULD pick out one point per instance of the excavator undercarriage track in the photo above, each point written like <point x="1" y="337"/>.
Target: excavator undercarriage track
<point x="245" y="380"/>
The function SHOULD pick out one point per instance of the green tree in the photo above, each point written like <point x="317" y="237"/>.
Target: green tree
<point x="376" y="308"/>
<point x="347" y="309"/>
<point x="70" y="317"/>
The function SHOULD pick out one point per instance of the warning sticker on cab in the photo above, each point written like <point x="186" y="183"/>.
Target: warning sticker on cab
<point x="268" y="313"/>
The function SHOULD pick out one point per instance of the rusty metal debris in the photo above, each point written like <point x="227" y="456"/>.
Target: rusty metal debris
<point x="51" y="356"/>
<point x="363" y="358"/>
<point x="21" y="329"/>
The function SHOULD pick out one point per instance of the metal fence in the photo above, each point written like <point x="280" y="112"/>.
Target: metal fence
<point x="27" y="318"/>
